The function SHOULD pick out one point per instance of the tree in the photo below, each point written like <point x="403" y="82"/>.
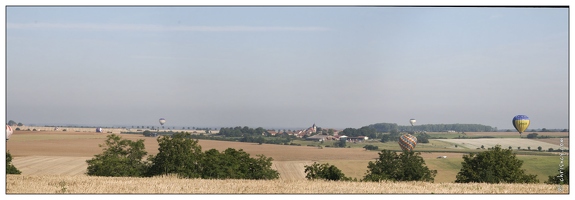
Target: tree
<point x="561" y="178"/>
<point x="324" y="171"/>
<point x="407" y="166"/>
<point x="147" y="133"/>
<point x="11" y="123"/>
<point x="539" y="148"/>
<point x="422" y="138"/>
<point x="330" y="132"/>
<point x="532" y="135"/>
<point x="496" y="165"/>
<point x="10" y="168"/>
<point x="340" y="143"/>
<point x="178" y="154"/>
<point x="20" y="124"/>
<point x="385" y="138"/>
<point x="120" y="158"/>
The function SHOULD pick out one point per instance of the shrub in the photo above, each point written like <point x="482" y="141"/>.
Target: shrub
<point x="181" y="155"/>
<point x="407" y="166"/>
<point x="370" y="147"/>
<point x="324" y="171"/>
<point x="120" y="158"/>
<point x="496" y="165"/>
<point x="532" y="135"/>
<point x="556" y="179"/>
<point x="236" y="164"/>
<point x="10" y="169"/>
<point x="178" y="154"/>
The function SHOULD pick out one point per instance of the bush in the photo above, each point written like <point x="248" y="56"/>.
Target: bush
<point x="10" y="169"/>
<point x="496" y="165"/>
<point x="407" y="166"/>
<point x="324" y="171"/>
<point x="532" y="135"/>
<point x="236" y="164"/>
<point x="181" y="155"/>
<point x="178" y="154"/>
<point x="370" y="147"/>
<point x="120" y="158"/>
<point x="556" y="179"/>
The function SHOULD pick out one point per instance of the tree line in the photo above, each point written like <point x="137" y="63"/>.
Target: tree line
<point x="239" y="131"/>
<point x="180" y="155"/>
<point x="497" y="165"/>
<point x="388" y="127"/>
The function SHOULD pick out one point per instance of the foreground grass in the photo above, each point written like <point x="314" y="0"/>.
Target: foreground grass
<point x="18" y="184"/>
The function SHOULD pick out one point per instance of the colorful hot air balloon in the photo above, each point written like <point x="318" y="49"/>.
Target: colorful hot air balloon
<point x="412" y="121"/>
<point x="8" y="132"/>
<point x="520" y="122"/>
<point x="407" y="142"/>
<point x="162" y="121"/>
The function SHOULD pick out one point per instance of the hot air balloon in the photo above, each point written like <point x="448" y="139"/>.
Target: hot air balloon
<point x="520" y="122"/>
<point x="8" y="132"/>
<point x="412" y="121"/>
<point x="162" y="121"/>
<point x="98" y="130"/>
<point x="407" y="142"/>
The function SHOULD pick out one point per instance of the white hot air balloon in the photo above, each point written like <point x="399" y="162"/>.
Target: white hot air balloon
<point x="9" y="132"/>
<point x="412" y="121"/>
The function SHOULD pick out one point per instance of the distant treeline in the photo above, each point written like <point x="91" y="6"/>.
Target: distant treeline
<point x="388" y="127"/>
<point x="239" y="131"/>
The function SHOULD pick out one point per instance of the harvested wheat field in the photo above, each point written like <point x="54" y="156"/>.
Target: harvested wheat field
<point x="54" y="162"/>
<point x="18" y="184"/>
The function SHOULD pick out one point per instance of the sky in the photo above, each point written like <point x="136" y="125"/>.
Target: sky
<point x="287" y="66"/>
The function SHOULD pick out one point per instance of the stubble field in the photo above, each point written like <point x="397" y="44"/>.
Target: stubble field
<point x="54" y="162"/>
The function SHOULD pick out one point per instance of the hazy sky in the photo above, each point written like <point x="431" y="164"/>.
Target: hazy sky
<point x="272" y="67"/>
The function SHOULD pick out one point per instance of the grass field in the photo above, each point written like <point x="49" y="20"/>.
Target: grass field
<point x="61" y="155"/>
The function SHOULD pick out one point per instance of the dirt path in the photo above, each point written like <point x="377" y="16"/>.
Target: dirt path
<point x="291" y="170"/>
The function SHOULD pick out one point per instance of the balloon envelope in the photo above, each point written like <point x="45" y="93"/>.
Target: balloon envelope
<point x="407" y="142"/>
<point x="521" y="122"/>
<point x="162" y="121"/>
<point x="412" y="121"/>
<point x="8" y="132"/>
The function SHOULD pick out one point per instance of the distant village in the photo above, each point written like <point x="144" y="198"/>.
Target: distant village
<point x="312" y="133"/>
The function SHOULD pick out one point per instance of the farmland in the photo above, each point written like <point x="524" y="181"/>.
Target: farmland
<point x="49" y="157"/>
